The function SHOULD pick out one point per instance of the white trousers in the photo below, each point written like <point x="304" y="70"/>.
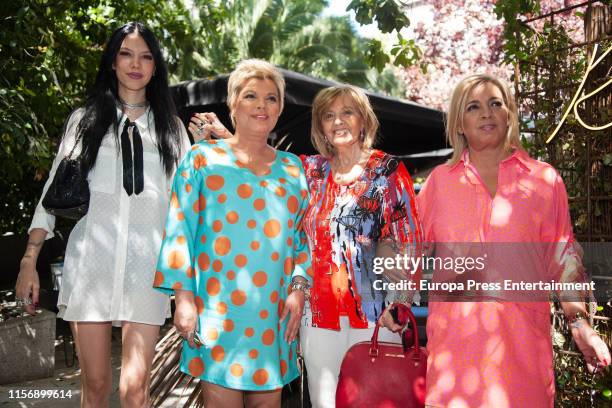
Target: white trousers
<point x="323" y="351"/>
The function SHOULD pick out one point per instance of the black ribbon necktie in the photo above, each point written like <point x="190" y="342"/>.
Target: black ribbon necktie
<point x="133" y="176"/>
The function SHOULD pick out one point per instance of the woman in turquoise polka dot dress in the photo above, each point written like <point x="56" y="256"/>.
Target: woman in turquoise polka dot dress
<point x="234" y="252"/>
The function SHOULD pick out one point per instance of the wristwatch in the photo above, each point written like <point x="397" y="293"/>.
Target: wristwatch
<point x="302" y="286"/>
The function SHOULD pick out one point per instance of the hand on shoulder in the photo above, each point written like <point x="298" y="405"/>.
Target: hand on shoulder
<point x="205" y="125"/>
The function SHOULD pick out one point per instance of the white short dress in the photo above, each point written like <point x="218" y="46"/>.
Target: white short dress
<point x="110" y="259"/>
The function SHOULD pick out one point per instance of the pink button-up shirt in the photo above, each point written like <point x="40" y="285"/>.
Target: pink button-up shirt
<point x="497" y="353"/>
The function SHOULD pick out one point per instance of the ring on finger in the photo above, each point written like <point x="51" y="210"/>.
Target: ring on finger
<point x="199" y="130"/>
<point x="19" y="302"/>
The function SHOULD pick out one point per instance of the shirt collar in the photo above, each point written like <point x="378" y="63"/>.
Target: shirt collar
<point x="518" y="155"/>
<point x="462" y="160"/>
<point x="142" y="121"/>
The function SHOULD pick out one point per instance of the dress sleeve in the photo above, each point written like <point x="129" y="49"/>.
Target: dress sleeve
<point x="564" y="253"/>
<point x="42" y="219"/>
<point x="401" y="223"/>
<point x="425" y="202"/>
<point x="175" y="265"/>
<point x="301" y="252"/>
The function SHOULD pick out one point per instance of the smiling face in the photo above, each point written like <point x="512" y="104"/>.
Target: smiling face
<point x="257" y="107"/>
<point x="485" y="117"/>
<point x="134" y="64"/>
<point x="342" y="123"/>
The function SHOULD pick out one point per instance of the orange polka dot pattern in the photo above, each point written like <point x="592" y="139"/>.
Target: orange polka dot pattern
<point x="231" y="238"/>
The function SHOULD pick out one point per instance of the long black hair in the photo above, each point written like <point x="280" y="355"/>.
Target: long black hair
<point x="101" y="105"/>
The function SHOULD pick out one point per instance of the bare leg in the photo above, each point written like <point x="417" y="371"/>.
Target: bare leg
<point x="74" y="330"/>
<point x="216" y="396"/>
<point x="137" y="356"/>
<point x="263" y="399"/>
<point x="93" y="348"/>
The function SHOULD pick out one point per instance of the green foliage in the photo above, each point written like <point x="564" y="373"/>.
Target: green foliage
<point x="574" y="384"/>
<point x="387" y="14"/>
<point x="376" y="54"/>
<point x="550" y="69"/>
<point x="406" y="52"/>
<point x="389" y="17"/>
<point x="514" y="30"/>
<point x="291" y="34"/>
<point x="50" y="50"/>
<point x="49" y="56"/>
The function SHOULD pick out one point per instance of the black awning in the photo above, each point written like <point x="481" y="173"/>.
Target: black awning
<point x="405" y="127"/>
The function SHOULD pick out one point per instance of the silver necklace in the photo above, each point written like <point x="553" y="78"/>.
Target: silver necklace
<point x="133" y="105"/>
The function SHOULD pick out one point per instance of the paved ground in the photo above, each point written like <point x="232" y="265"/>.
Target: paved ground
<point x="66" y="380"/>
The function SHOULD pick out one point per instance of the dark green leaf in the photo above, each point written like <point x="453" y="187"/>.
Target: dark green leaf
<point x="375" y="55"/>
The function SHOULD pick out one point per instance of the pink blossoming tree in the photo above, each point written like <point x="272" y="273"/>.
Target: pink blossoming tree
<point x="466" y="37"/>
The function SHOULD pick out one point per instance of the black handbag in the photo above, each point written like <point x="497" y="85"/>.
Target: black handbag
<point x="68" y="194"/>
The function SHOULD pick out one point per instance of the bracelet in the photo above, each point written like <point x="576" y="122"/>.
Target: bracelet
<point x="301" y="286"/>
<point x="403" y="297"/>
<point x="578" y="316"/>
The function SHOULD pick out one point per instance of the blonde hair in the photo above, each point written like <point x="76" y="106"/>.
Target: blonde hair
<point x="248" y="69"/>
<point x="324" y="99"/>
<point x="454" y="118"/>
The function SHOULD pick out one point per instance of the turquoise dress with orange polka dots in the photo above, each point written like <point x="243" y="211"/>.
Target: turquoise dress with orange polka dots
<point x="234" y="239"/>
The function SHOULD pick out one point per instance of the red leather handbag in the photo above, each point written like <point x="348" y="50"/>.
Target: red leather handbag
<point x="377" y="374"/>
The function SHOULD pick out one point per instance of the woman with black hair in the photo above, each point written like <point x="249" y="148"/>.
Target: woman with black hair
<point x="130" y="142"/>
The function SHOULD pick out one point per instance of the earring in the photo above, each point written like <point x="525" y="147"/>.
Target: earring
<point x="362" y="135"/>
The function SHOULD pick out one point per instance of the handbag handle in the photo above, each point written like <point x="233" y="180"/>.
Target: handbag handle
<point x="415" y="335"/>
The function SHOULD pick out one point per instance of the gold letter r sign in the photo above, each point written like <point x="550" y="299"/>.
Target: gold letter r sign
<point x="577" y="101"/>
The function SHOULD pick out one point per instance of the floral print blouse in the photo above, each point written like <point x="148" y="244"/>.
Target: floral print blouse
<point x="344" y="224"/>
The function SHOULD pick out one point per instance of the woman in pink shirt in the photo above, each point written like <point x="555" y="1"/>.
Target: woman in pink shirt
<point x="498" y="352"/>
